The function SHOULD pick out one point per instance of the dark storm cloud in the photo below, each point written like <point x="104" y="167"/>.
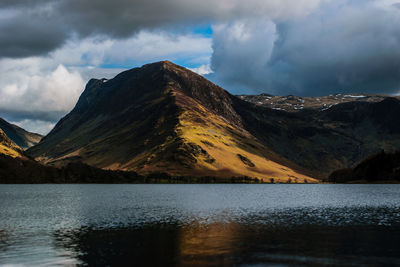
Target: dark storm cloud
<point x="50" y="22"/>
<point x="22" y="3"/>
<point x="339" y="48"/>
<point x="353" y="49"/>
<point x="34" y="34"/>
<point x="121" y="18"/>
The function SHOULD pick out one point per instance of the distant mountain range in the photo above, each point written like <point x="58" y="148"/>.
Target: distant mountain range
<point x="163" y="118"/>
<point x="293" y="103"/>
<point x="14" y="140"/>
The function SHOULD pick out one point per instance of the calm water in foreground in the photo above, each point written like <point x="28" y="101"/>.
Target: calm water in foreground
<point x="161" y="225"/>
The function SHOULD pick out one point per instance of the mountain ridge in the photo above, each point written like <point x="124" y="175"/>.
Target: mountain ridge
<point x="292" y="103"/>
<point x="163" y="118"/>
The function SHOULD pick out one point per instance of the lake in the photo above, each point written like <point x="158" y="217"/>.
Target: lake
<point x="200" y="225"/>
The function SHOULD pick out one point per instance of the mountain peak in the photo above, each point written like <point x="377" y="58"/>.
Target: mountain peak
<point x="155" y="79"/>
<point x="161" y="66"/>
<point x="160" y="117"/>
<point x="163" y="63"/>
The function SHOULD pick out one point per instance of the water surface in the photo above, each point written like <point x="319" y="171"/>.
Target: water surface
<point x="200" y="225"/>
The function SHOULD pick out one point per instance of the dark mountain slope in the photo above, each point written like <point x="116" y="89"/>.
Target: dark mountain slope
<point x="382" y="114"/>
<point x="21" y="137"/>
<point x="380" y="167"/>
<point x="325" y="140"/>
<point x="113" y="121"/>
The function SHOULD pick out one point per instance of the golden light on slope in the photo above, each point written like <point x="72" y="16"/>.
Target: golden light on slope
<point x="8" y="147"/>
<point x="9" y="151"/>
<point x="231" y="151"/>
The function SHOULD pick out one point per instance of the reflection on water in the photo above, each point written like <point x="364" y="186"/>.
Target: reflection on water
<point x="233" y="244"/>
<point x="207" y="225"/>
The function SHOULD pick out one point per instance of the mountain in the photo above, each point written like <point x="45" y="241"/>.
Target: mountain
<point x="161" y="118"/>
<point x="8" y="147"/>
<point x="293" y="103"/>
<point x="21" y="137"/>
<point x="380" y="167"/>
<point x="329" y="139"/>
<point x="164" y="118"/>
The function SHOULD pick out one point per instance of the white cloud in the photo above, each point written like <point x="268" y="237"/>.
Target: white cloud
<point x="55" y="91"/>
<point x="36" y="126"/>
<point x="203" y="69"/>
<point x="99" y="56"/>
<point x="152" y="46"/>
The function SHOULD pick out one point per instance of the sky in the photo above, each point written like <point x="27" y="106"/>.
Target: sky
<point x="49" y="49"/>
